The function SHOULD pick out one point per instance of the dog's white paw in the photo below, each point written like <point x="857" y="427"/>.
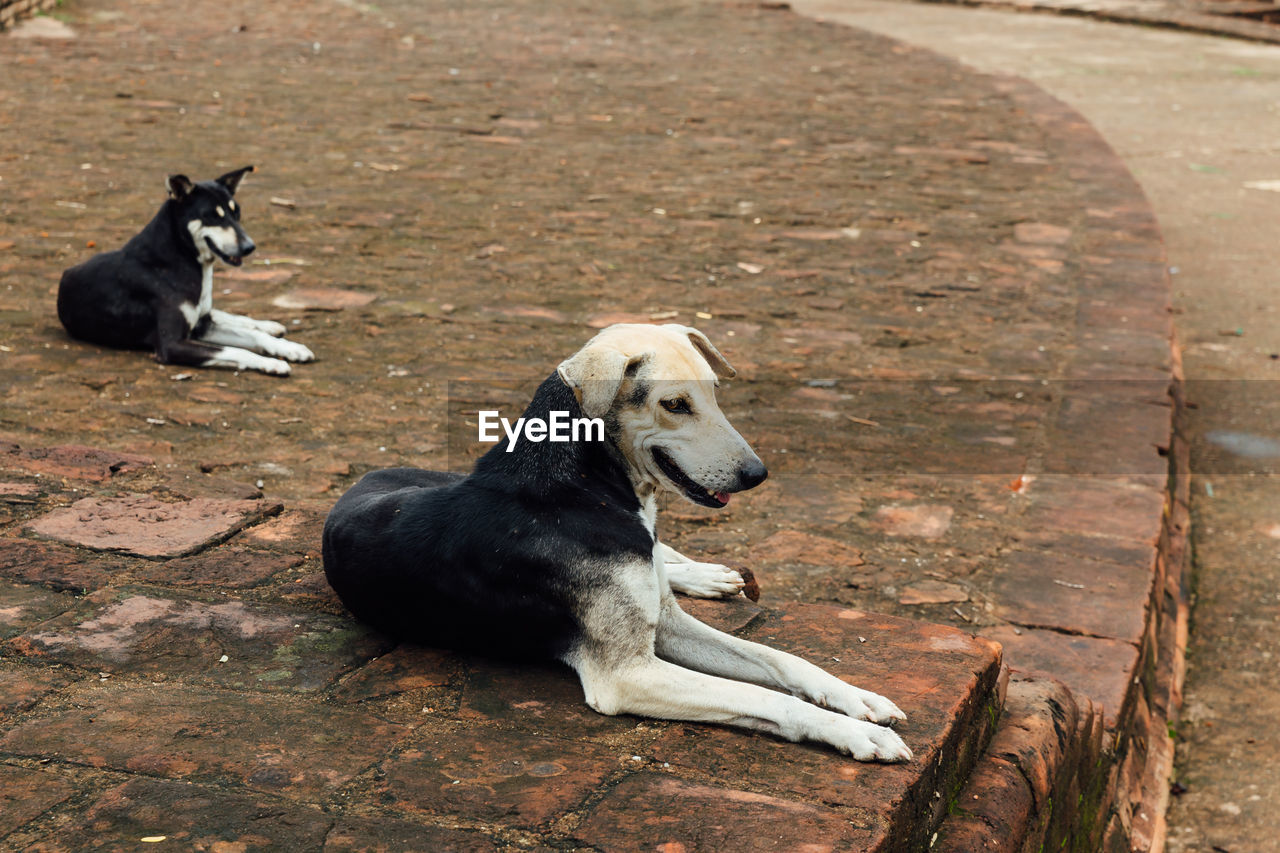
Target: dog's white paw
<point x="274" y="366"/>
<point x="288" y="350"/>
<point x="270" y="327"/>
<point x="859" y="704"/>
<point x="703" y="580"/>
<point x="869" y="742"/>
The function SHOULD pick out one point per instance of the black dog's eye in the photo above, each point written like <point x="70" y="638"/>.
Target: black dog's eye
<point x="678" y="406"/>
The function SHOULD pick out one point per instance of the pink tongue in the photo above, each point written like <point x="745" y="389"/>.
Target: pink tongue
<point x="723" y="497"/>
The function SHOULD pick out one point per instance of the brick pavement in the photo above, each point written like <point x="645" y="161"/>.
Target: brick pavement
<point x="948" y="304"/>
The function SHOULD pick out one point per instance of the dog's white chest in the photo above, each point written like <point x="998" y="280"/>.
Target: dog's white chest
<point x="193" y="313"/>
<point x="649" y="515"/>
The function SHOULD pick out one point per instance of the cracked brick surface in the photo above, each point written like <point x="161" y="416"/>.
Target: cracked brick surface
<point x="921" y="274"/>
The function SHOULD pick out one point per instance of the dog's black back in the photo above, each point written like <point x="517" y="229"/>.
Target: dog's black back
<point x="130" y="297"/>
<point x="499" y="561"/>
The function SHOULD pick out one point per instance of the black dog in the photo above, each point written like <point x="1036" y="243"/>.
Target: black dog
<point x="549" y="550"/>
<point x="157" y="291"/>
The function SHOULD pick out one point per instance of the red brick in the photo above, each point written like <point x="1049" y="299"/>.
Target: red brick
<point x="56" y="566"/>
<point x="1087" y="546"/>
<point x="795" y="546"/>
<point x="543" y="699"/>
<point x="993" y="812"/>
<point x="1101" y="670"/>
<point x="727" y="614"/>
<point x="488" y="774"/>
<point x="403" y="669"/>
<point x="943" y="679"/>
<point x="294" y="531"/>
<point x="140" y="524"/>
<point x="21" y="687"/>
<point x="73" y="461"/>
<point x="224" y="568"/>
<point x="25" y="794"/>
<point x="1094" y="505"/>
<point x="1038" y="733"/>
<point x="188" y="817"/>
<point x="277" y="744"/>
<point x="22" y="606"/>
<point x="151" y="635"/>
<point x="671" y="814"/>
<point x="355" y="835"/>
<point x="1075" y="596"/>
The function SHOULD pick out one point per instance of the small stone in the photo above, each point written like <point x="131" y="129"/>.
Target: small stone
<point x="932" y="592"/>
<point x="925" y="521"/>
<point x="322" y="299"/>
<point x="1041" y="233"/>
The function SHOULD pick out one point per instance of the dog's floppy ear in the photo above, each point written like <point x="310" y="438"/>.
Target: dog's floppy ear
<point x="595" y="373"/>
<point x="231" y="180"/>
<point x="178" y="186"/>
<point x="719" y="364"/>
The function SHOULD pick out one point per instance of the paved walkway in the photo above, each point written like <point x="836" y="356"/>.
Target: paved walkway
<point x="1195" y="119"/>
<point x="1241" y="19"/>
<point x="922" y="274"/>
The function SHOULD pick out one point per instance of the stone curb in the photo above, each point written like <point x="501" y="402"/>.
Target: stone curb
<point x="1082" y="755"/>
<point x="1166" y="15"/>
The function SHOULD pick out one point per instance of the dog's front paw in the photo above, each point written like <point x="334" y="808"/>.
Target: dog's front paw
<point x="270" y="327"/>
<point x="860" y="704"/>
<point x="869" y="742"/>
<point x="274" y="366"/>
<point x="289" y="350"/>
<point x="704" y="580"/>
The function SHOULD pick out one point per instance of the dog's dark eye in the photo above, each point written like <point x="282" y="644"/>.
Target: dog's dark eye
<point x="678" y="406"/>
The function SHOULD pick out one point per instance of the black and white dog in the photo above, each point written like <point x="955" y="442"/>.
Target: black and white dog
<point x="157" y="291"/>
<point x="550" y="550"/>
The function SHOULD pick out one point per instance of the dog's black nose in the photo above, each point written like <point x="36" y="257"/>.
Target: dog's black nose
<point x="247" y="247"/>
<point x="751" y="475"/>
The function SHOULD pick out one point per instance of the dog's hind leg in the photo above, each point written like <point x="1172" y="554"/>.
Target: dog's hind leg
<point x="650" y="687"/>
<point x="684" y="640"/>
<point x="248" y="338"/>
<point x="699" y="580"/>
<point x="226" y="318"/>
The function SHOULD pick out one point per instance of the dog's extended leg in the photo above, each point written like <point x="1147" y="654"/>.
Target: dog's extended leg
<point x="255" y="340"/>
<point x="226" y="318"/>
<point x="173" y="347"/>
<point x="700" y="580"/>
<point x="647" y="686"/>
<point x="199" y="354"/>
<point x="684" y="640"/>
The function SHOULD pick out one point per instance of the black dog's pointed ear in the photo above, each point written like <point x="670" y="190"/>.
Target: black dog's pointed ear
<point x="231" y="180"/>
<point x="178" y="186"/>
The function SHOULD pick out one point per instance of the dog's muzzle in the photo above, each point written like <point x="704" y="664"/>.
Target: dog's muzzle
<point x="751" y="474"/>
<point x="242" y="250"/>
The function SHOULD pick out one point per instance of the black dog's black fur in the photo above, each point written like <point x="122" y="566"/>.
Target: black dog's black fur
<point x="132" y="298"/>
<point x="490" y="586"/>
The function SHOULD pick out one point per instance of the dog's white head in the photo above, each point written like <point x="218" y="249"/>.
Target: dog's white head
<point x="654" y="387"/>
